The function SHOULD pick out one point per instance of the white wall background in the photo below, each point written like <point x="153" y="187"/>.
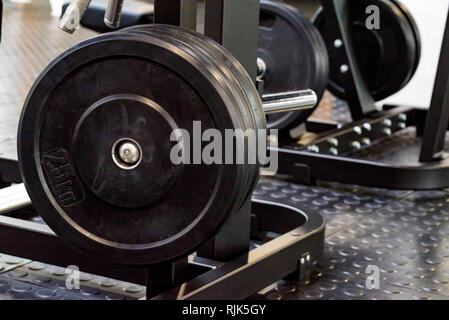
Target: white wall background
<point x="430" y="16"/>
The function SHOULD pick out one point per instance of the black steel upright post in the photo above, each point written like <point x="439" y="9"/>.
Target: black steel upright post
<point x="437" y="119"/>
<point x="359" y="99"/>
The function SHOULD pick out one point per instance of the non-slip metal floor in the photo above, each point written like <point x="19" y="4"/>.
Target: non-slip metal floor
<point x="405" y="234"/>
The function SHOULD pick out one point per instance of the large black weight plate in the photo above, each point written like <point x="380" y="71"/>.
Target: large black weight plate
<point x="137" y="87"/>
<point x="223" y="60"/>
<point x="295" y="58"/>
<point x="387" y="57"/>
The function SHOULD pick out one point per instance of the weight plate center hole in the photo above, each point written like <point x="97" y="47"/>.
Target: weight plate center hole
<point x="126" y="153"/>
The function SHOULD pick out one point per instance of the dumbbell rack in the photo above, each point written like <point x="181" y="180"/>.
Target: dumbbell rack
<point x="286" y="239"/>
<point x="350" y="153"/>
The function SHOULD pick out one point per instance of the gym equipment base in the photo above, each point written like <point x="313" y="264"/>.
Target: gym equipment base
<point x="289" y="239"/>
<point x="382" y="151"/>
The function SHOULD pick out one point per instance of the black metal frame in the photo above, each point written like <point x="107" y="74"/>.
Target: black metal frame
<point x="9" y="170"/>
<point x="430" y="170"/>
<point x="236" y="271"/>
<point x="289" y="255"/>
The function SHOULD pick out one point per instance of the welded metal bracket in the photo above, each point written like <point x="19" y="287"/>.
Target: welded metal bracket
<point x="300" y="241"/>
